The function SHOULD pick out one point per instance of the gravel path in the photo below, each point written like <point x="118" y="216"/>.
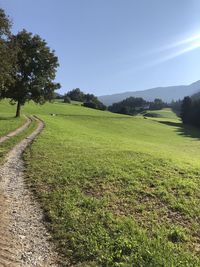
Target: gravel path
<point x="24" y="240"/>
<point x="17" y="131"/>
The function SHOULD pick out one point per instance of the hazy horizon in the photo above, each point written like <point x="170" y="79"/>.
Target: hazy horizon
<point x="146" y="89"/>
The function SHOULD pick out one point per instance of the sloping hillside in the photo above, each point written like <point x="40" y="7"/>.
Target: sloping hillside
<point x="117" y="190"/>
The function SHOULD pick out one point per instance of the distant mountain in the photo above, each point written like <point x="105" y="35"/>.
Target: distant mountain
<point x="167" y="94"/>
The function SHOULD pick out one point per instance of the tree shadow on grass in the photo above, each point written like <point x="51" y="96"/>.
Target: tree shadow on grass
<point x="185" y="130"/>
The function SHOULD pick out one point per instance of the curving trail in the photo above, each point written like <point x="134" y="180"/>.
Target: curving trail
<point x="24" y="240"/>
<point x="17" y="131"/>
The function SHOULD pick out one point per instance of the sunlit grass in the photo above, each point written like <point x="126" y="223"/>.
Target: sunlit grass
<point x="10" y="143"/>
<point x="117" y="190"/>
<point x="8" y="122"/>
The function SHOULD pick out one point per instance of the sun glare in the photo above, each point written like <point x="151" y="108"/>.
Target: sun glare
<point x="177" y="48"/>
<point x="189" y="40"/>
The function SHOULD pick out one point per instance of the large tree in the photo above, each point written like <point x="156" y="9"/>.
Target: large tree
<point x="35" y="71"/>
<point x="7" y="51"/>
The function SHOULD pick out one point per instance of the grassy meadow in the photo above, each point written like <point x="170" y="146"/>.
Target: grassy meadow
<point x="116" y="190"/>
<point x="7" y="120"/>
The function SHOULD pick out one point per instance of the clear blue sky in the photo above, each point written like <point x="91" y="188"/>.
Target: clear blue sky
<point x="110" y="46"/>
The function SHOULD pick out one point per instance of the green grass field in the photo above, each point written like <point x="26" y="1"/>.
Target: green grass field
<point x="165" y="113"/>
<point x="7" y="120"/>
<point x="117" y="190"/>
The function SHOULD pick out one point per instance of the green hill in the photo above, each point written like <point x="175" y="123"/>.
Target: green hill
<point x="117" y="190"/>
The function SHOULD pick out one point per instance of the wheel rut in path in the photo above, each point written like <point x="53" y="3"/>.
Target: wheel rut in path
<point x="24" y="240"/>
<point x="16" y="131"/>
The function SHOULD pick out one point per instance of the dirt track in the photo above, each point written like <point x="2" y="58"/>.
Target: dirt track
<point x="24" y="240"/>
<point x="17" y="131"/>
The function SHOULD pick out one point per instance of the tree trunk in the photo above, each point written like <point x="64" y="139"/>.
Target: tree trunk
<point x="18" y="109"/>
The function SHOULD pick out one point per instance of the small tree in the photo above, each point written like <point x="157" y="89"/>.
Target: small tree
<point x="35" y="71"/>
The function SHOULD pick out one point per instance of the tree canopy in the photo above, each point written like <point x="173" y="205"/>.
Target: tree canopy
<point x="133" y="105"/>
<point x="128" y="106"/>
<point x="76" y="95"/>
<point x="186" y="107"/>
<point x="7" y="51"/>
<point x="190" y="111"/>
<point x="157" y="104"/>
<point x="34" y="73"/>
<point x="176" y="106"/>
<point x="89" y="100"/>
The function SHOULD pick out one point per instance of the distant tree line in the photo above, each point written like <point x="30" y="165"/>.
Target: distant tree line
<point x="134" y="105"/>
<point x="27" y="66"/>
<point x="89" y="100"/>
<point x="190" y="111"/>
<point x="157" y="104"/>
<point x="58" y="96"/>
<point x="176" y="106"/>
